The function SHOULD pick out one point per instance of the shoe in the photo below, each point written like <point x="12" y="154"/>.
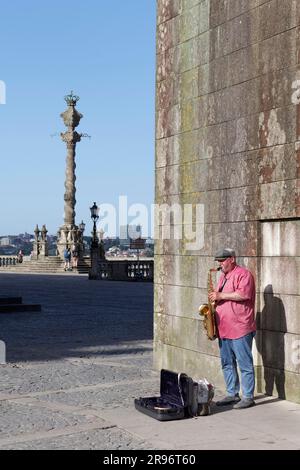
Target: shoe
<point x="244" y="403"/>
<point x="228" y="400"/>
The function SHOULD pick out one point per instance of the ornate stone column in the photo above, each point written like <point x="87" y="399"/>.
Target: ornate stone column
<point x="36" y="243"/>
<point x="69" y="234"/>
<point x="44" y="242"/>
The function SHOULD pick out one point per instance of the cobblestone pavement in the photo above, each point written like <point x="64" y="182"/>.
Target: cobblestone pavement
<point x="89" y="349"/>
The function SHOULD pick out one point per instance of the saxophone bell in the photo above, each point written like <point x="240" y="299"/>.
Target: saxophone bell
<point x="203" y="309"/>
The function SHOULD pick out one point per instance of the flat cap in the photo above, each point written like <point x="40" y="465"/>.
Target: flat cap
<point x="224" y="253"/>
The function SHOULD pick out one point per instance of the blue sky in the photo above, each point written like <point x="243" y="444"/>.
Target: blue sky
<point x="105" y="52"/>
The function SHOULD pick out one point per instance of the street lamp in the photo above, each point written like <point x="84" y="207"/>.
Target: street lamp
<point x="80" y="240"/>
<point x="81" y="226"/>
<point x="94" y="216"/>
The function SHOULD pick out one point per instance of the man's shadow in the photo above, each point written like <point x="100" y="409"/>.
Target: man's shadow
<point x="271" y="328"/>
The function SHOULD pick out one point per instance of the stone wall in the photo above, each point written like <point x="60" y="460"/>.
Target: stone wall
<point x="228" y="141"/>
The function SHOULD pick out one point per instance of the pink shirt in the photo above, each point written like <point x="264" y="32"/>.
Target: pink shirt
<point x="236" y="319"/>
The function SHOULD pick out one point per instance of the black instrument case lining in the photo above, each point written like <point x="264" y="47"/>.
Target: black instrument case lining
<point x="175" y="397"/>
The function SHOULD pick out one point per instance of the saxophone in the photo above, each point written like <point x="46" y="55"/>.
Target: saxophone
<point x="208" y="310"/>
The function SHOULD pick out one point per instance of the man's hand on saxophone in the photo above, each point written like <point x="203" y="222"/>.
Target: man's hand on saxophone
<point x="214" y="296"/>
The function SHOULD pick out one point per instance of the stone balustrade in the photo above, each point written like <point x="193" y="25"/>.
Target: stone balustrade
<point x="109" y="269"/>
<point x="11" y="260"/>
<point x="124" y="270"/>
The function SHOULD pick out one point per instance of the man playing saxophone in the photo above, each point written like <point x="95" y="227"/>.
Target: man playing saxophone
<point x="234" y="299"/>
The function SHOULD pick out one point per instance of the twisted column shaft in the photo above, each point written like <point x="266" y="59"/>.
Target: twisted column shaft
<point x="69" y="196"/>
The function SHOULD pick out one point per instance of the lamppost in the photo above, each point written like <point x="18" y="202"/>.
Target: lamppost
<point x="101" y="247"/>
<point x="94" y="216"/>
<point x="81" y="228"/>
<point x="93" y="273"/>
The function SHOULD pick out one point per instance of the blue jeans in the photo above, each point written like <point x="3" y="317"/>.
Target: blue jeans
<point x="238" y="352"/>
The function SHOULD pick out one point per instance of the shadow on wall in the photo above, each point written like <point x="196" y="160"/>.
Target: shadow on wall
<point x="271" y="326"/>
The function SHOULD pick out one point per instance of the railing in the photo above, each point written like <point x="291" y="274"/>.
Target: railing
<point x="124" y="270"/>
<point x="140" y="271"/>
<point x="114" y="270"/>
<point x="8" y="260"/>
<point x="105" y="271"/>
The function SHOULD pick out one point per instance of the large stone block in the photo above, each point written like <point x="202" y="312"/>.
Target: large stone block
<point x="168" y="122"/>
<point x="167" y="151"/>
<point x="242" y="236"/>
<point x="278" y="126"/>
<point x="168" y="180"/>
<point x="243" y="64"/>
<point x="279" y="200"/>
<point x="242" y="134"/>
<point x="189" y="25"/>
<point x="212" y="142"/>
<point x="167" y="63"/>
<point x="167" y="93"/>
<point x="180" y="301"/>
<point x="238" y="7"/>
<point x="281" y="238"/>
<point x="204" y="16"/>
<point x="282" y="273"/>
<point x="189" y="84"/>
<point x="189" y="146"/>
<point x="194" y="52"/>
<point x="218" y="12"/>
<point x="279" y="312"/>
<point x="187" y="4"/>
<point x="272" y="52"/>
<point x="214" y="76"/>
<point x="242" y="203"/>
<point x="194" y="176"/>
<point x="176" y="270"/>
<point x="216" y="107"/>
<point x="168" y="35"/>
<point x="276" y="88"/>
<point x="281" y="350"/>
<point x="277" y="17"/>
<point x="278" y="163"/>
<point x="239" y="171"/>
<point x="215" y="207"/>
<point x="190" y="115"/>
<point x="167" y="9"/>
<point x="238" y="33"/>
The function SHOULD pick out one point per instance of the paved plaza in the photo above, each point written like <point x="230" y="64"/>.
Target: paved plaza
<point x="74" y="369"/>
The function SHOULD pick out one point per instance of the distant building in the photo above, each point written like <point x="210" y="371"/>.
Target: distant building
<point x="5" y="241"/>
<point x="129" y="232"/>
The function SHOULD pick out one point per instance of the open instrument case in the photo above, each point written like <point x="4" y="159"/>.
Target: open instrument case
<point x="175" y="400"/>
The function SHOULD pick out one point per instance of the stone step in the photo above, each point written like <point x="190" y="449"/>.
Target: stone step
<point x="49" y="265"/>
<point x="6" y="300"/>
<point x="15" y="308"/>
<point x="45" y="268"/>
